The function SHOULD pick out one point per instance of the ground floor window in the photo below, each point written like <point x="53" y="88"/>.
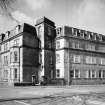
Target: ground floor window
<point x="103" y="73"/>
<point x="75" y="73"/>
<point x="100" y="73"/>
<point x="15" y="73"/>
<point x="5" y="74"/>
<point x="89" y="73"/>
<point x="93" y="74"/>
<point x="58" y="73"/>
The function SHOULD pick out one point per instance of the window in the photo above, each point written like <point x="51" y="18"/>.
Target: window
<point x="51" y="73"/>
<point x="5" y="60"/>
<point x="51" y="60"/>
<point x="103" y="73"/>
<point x="93" y="60"/>
<point x="17" y="29"/>
<point x="102" y="61"/>
<point x="77" y="73"/>
<point x="5" y="74"/>
<point x="74" y="31"/>
<point x="74" y="73"/>
<point x="90" y="60"/>
<point x="94" y="36"/>
<point x="76" y="59"/>
<point x="5" y="46"/>
<point x="40" y="58"/>
<point x="89" y="73"/>
<point x="76" y="45"/>
<point x="100" y="73"/>
<point x="57" y="44"/>
<point x="11" y="57"/>
<point x="71" y="74"/>
<point x="57" y="73"/>
<point x="15" y="56"/>
<point x="15" y="73"/>
<point x="82" y="34"/>
<point x="16" y="42"/>
<point x="58" y="31"/>
<point x="57" y="58"/>
<point x="93" y="75"/>
<point x="90" y="47"/>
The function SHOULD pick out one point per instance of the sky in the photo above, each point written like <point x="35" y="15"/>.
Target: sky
<point x="83" y="14"/>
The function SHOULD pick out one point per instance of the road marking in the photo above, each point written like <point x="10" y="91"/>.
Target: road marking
<point x="21" y="102"/>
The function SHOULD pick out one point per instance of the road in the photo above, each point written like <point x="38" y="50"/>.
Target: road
<point x="73" y="95"/>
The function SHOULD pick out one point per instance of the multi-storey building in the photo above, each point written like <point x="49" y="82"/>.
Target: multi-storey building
<point x="27" y="53"/>
<point x="19" y="50"/>
<point x="64" y="55"/>
<point x="80" y="56"/>
<point x="46" y="33"/>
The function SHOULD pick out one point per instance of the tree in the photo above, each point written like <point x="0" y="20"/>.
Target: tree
<point x="6" y="7"/>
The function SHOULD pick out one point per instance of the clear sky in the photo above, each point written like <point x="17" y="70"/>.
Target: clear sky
<point x="84" y="14"/>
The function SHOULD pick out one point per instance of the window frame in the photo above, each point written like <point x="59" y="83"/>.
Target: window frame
<point x="57" y="73"/>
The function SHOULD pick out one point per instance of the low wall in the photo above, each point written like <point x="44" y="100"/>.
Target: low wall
<point x="87" y="81"/>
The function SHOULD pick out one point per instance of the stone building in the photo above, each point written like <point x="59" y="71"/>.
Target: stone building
<point x="19" y="51"/>
<point x="80" y="56"/>
<point x="46" y="33"/>
<point x="63" y="55"/>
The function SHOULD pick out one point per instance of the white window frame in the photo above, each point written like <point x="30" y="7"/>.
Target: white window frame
<point x="57" y="44"/>
<point x="57" y="58"/>
<point x="57" y="73"/>
<point x="76" y="58"/>
<point x="15" y="73"/>
<point x="77" y="73"/>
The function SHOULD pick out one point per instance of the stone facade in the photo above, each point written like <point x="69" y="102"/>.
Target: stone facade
<point x="64" y="55"/>
<point x="80" y="56"/>
<point x="19" y="54"/>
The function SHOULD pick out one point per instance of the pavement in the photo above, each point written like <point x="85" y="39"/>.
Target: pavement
<point x="36" y="92"/>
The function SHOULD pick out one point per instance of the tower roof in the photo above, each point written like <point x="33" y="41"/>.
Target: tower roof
<point x="45" y="20"/>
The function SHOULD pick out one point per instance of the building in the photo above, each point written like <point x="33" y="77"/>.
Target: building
<point x="27" y="53"/>
<point x="19" y="51"/>
<point x="63" y="55"/>
<point x="80" y="56"/>
<point x="46" y="33"/>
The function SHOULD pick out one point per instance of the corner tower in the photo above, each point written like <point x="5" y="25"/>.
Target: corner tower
<point x="46" y="33"/>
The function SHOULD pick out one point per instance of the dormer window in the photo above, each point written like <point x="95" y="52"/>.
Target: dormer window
<point x="7" y="34"/>
<point x="91" y="35"/>
<point x="78" y="32"/>
<point x="81" y="33"/>
<point x="72" y="31"/>
<point x="86" y="35"/>
<point x="94" y="36"/>
<point x="17" y="29"/>
<point x="75" y="32"/>
<point x="100" y="37"/>
<point x="103" y="38"/>
<point x="3" y="36"/>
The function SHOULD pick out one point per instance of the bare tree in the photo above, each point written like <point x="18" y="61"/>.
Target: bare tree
<point x="6" y="7"/>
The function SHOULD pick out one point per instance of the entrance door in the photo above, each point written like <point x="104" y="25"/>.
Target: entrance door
<point x="34" y="79"/>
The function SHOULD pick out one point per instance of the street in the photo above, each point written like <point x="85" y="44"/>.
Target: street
<point x="53" y="95"/>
